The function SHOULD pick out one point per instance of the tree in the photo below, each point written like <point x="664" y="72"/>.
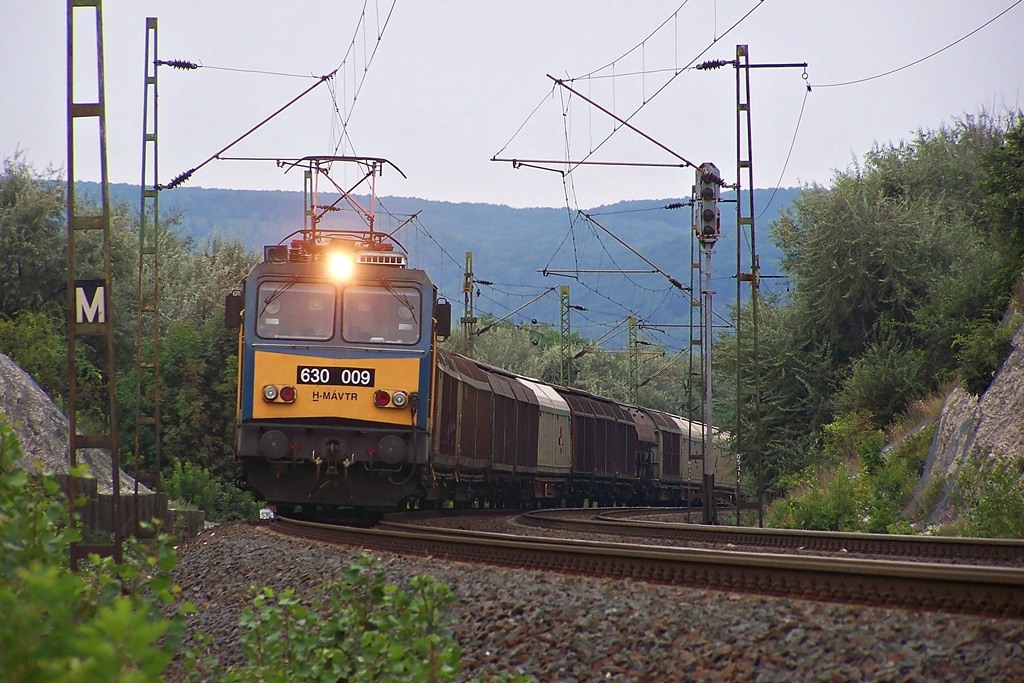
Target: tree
<point x="894" y="262"/>
<point x="32" y="266"/>
<point x="199" y="369"/>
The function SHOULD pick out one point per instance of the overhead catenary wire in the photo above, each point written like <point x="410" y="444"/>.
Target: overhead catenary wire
<point x="182" y="177"/>
<point x="506" y="317"/>
<point x="567" y="174"/>
<point x="639" y="45"/>
<point x="674" y="205"/>
<point x="185" y="65"/>
<point x="789" y="154"/>
<point x="674" y="76"/>
<point x="675" y="283"/>
<point x="671" y="361"/>
<point x="619" y="269"/>
<point x="367" y="60"/>
<point x="597" y="342"/>
<point x="918" y="61"/>
<point x="625" y="122"/>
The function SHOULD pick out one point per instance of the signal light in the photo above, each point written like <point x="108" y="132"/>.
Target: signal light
<point x="381" y="398"/>
<point x="708" y="183"/>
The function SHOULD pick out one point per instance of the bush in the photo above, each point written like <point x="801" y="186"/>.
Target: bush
<point x="839" y="501"/>
<point x="852" y="438"/>
<point x="895" y="481"/>
<point x="857" y="486"/>
<point x="882" y="381"/>
<point x="101" y="624"/>
<point x="37" y="342"/>
<point x="981" y="352"/>
<point x="990" y="495"/>
<point x="222" y="501"/>
<point x="360" y="629"/>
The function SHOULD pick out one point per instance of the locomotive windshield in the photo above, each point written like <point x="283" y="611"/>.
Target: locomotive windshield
<point x="386" y="315"/>
<point x="295" y="310"/>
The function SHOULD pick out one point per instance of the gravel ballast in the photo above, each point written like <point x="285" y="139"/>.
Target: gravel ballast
<point x="556" y="627"/>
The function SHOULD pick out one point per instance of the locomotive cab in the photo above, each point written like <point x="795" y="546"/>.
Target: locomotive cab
<point x="336" y="364"/>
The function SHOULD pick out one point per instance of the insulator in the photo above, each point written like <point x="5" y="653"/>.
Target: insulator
<point x="179" y="179"/>
<point x="712" y="64"/>
<point x="677" y="205"/>
<point x="177" y="64"/>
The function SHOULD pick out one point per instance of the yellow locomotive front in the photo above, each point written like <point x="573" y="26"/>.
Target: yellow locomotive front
<point x="336" y="363"/>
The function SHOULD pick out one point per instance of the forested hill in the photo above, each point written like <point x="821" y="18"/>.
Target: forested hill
<point x="509" y="245"/>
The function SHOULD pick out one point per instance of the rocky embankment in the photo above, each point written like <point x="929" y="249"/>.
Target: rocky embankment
<point x="43" y="430"/>
<point x="972" y="427"/>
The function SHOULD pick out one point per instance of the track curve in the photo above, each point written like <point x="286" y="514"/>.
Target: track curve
<point x="992" y="591"/>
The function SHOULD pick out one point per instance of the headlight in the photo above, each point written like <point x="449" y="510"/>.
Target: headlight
<point x="269" y="392"/>
<point x="399" y="399"/>
<point x="340" y="265"/>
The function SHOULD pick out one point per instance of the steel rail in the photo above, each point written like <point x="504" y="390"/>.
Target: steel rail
<point x="935" y="548"/>
<point x="994" y="591"/>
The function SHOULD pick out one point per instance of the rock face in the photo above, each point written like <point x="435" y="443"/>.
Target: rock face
<point x="987" y="427"/>
<point x="43" y="429"/>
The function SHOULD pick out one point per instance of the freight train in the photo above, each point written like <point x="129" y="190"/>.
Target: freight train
<point x="345" y="400"/>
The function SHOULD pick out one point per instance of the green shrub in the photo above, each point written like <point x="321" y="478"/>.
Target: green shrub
<point x="852" y="438"/>
<point x="856" y="486"/>
<point x="359" y="629"/>
<point x="895" y="481"/>
<point x="221" y="500"/>
<point x="101" y="624"/>
<point x="990" y="495"/>
<point x="37" y="342"/>
<point x="839" y="501"/>
<point x="981" y="352"/>
<point x="883" y="380"/>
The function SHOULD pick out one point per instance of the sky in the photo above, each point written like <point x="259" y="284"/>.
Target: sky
<point x="450" y="84"/>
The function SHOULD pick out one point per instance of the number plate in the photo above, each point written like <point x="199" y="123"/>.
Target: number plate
<point x="335" y="376"/>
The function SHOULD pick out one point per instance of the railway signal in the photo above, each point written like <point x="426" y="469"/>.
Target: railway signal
<point x="707" y="228"/>
<point x="708" y="193"/>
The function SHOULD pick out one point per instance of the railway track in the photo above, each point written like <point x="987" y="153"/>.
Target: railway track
<point x="642" y="523"/>
<point x="986" y="590"/>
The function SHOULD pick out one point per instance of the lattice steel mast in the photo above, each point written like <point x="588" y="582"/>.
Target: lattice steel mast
<point x="89" y="311"/>
<point x="148" y="328"/>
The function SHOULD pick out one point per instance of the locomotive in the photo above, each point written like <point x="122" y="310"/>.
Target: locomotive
<point x="345" y="400"/>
